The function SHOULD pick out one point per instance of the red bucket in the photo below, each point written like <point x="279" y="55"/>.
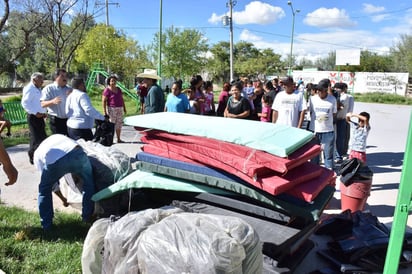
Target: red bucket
<point x="354" y="196"/>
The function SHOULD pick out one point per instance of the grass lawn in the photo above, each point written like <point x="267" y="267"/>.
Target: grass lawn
<point x="24" y="248"/>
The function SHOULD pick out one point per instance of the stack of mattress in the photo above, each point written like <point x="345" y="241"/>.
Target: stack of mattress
<point x="266" y="160"/>
<point x="258" y="171"/>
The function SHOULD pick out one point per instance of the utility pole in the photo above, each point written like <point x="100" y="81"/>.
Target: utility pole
<point x="228" y="20"/>
<point x="159" y="50"/>
<point x="106" y="4"/>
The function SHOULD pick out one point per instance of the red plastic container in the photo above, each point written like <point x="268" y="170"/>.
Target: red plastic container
<point x="354" y="196"/>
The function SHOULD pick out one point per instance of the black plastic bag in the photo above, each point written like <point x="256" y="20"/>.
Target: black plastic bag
<point x="104" y="133"/>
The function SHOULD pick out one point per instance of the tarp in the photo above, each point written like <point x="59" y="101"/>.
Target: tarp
<point x="276" y="139"/>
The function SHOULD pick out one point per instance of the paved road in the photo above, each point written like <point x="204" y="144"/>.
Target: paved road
<point x="386" y="146"/>
<point x="385" y="153"/>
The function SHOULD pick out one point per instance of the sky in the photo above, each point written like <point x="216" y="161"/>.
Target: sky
<point x="320" y="26"/>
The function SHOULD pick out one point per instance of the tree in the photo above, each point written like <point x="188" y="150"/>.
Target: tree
<point x="305" y="63"/>
<point x="401" y="54"/>
<point x="183" y="52"/>
<point x="113" y="49"/>
<point x="6" y="11"/>
<point x="19" y="35"/>
<point x="64" y="39"/>
<point x="267" y="63"/>
<point x="218" y="64"/>
<point x="245" y="54"/>
<point x="327" y="63"/>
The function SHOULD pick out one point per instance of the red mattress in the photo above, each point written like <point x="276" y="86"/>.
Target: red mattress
<point x="271" y="182"/>
<point x="256" y="160"/>
<point x="311" y="188"/>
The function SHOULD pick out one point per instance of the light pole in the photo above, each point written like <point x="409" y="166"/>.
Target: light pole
<point x="228" y="20"/>
<point x="293" y="32"/>
<point x="159" y="49"/>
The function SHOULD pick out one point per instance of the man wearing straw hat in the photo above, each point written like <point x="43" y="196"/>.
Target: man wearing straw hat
<point x="155" y="101"/>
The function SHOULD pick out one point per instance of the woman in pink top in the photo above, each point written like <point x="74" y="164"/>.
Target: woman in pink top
<point x="113" y="105"/>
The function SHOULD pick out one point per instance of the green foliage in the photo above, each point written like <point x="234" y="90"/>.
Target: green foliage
<point x="248" y="61"/>
<point x="218" y="65"/>
<point x="25" y="248"/>
<point x="401" y="54"/>
<point x="383" y="98"/>
<point x="14" y="98"/>
<point x="113" y="49"/>
<point x="183" y="52"/>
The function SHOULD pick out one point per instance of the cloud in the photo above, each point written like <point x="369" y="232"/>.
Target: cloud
<point x="246" y="35"/>
<point x="259" y="13"/>
<point x="379" y="18"/>
<point x="255" y="12"/>
<point x="313" y="46"/>
<point x="215" y="19"/>
<point x="369" y="8"/>
<point x="329" y="18"/>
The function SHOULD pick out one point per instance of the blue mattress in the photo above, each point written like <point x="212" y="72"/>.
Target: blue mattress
<point x="154" y="159"/>
<point x="284" y="202"/>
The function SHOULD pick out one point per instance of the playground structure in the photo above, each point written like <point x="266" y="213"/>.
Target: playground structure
<point x="97" y="69"/>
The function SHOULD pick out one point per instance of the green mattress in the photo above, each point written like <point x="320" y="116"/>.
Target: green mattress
<point x="276" y="139"/>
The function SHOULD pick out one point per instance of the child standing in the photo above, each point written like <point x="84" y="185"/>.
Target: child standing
<point x="265" y="115"/>
<point x="359" y="135"/>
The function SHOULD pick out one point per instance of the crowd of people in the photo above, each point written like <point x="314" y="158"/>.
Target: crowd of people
<point x="324" y="109"/>
<point x="71" y="116"/>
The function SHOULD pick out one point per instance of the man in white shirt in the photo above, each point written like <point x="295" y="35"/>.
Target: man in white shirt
<point x="323" y="110"/>
<point x="81" y="112"/>
<point x="54" y="99"/>
<point x="56" y="156"/>
<point x="35" y="113"/>
<point x="289" y="106"/>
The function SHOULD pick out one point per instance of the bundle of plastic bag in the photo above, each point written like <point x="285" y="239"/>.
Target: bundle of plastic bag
<point x="168" y="240"/>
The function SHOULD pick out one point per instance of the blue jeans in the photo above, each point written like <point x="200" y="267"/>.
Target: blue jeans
<point x="327" y="141"/>
<point x="77" y="162"/>
<point x="340" y="138"/>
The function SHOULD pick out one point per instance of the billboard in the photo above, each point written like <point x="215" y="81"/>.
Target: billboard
<point x="359" y="82"/>
<point x="346" y="57"/>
